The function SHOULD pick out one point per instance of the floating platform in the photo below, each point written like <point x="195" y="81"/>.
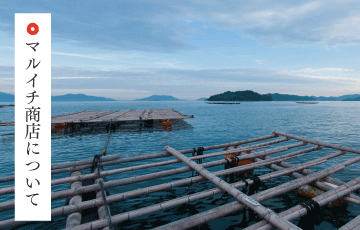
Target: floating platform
<point x="223" y="103"/>
<point x="1" y="106"/>
<point x="101" y="117"/>
<point x="119" y="115"/>
<point x="259" y="150"/>
<point x="307" y="102"/>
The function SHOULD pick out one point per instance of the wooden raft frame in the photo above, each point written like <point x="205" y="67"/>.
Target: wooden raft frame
<point x="100" y="117"/>
<point x="261" y="158"/>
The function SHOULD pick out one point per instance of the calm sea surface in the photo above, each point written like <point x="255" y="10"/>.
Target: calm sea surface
<point x="332" y="122"/>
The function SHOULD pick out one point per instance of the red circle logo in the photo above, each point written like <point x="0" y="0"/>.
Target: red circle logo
<point x="32" y="28"/>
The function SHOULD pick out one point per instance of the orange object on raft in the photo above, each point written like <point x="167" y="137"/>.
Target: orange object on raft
<point x="61" y="126"/>
<point x="243" y="162"/>
<point x="311" y="192"/>
<point x="166" y="124"/>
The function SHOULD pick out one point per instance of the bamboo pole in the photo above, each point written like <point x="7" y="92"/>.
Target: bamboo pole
<point x="349" y="198"/>
<point x="77" y="165"/>
<point x="91" y="188"/>
<point x="232" y="207"/>
<point x="163" y="154"/>
<point x="354" y="224"/>
<point x="125" y="181"/>
<point x="101" y="115"/>
<point x="82" y="162"/>
<point x="66" y="210"/>
<point x="62" y="115"/>
<point x="190" y="198"/>
<point x="200" y="195"/>
<point x="74" y="219"/>
<point x="138" y="167"/>
<point x="69" y="165"/>
<point x="316" y="184"/>
<point x="338" y="147"/>
<point x="104" y="208"/>
<point x="322" y="200"/>
<point x="265" y="213"/>
<point x="81" y="166"/>
<point x="161" y="187"/>
<point x="127" y="195"/>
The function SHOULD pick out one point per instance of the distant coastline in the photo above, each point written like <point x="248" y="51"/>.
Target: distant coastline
<point x="79" y="97"/>
<point x="352" y="99"/>
<point x="4" y="97"/>
<point x="249" y="95"/>
<point x="246" y="95"/>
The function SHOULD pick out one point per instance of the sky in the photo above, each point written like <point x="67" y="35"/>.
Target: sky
<point x="127" y="50"/>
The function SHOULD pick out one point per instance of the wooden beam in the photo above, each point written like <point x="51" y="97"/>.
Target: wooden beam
<point x="347" y="149"/>
<point x="330" y="196"/>
<point x="232" y="207"/>
<point x="266" y="213"/>
<point x="91" y="188"/>
<point x="74" y="219"/>
<point x="200" y="195"/>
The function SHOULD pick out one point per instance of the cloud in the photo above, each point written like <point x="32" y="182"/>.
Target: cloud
<point x="322" y="22"/>
<point x="260" y="62"/>
<point x="169" y="26"/>
<point x="191" y="84"/>
<point x="115" y="25"/>
<point x="310" y="70"/>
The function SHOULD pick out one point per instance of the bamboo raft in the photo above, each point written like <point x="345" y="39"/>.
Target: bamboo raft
<point x="223" y="103"/>
<point x="307" y="102"/>
<point x="120" y="119"/>
<point x="1" y="106"/>
<point x="257" y="149"/>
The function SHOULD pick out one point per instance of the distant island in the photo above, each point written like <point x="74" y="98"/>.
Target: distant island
<point x="287" y="97"/>
<point x="352" y="99"/>
<point x="5" y="97"/>
<point x="79" y="97"/>
<point x="159" y="98"/>
<point x="247" y="95"/>
<point x="340" y="98"/>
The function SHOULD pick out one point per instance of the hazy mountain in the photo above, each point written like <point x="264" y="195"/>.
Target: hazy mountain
<point x="79" y="97"/>
<point x="352" y="99"/>
<point x="202" y="99"/>
<point x="159" y="98"/>
<point x="287" y="97"/>
<point x="5" y="97"/>
<point x="340" y="98"/>
<point x="247" y="95"/>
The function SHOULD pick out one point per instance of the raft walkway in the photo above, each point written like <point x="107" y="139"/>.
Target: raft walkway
<point x="257" y="149"/>
<point x="223" y="103"/>
<point x="114" y="116"/>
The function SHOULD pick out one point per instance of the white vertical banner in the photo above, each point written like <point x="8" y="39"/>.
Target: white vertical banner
<point x="32" y="117"/>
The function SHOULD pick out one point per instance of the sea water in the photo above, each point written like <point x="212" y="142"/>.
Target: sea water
<point x="331" y="122"/>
